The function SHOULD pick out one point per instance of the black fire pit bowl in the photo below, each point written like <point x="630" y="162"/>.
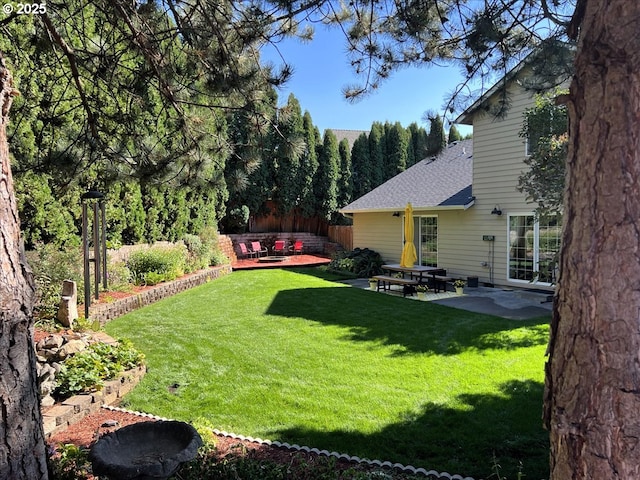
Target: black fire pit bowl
<point x="145" y="451"/>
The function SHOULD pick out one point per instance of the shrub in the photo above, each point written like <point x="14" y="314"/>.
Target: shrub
<point x="119" y="276"/>
<point x="88" y="369"/>
<point x="168" y="263"/>
<point x="198" y="253"/>
<point x="69" y="462"/>
<point x="219" y="258"/>
<point x="153" y="278"/>
<point x="51" y="266"/>
<point x="361" y="261"/>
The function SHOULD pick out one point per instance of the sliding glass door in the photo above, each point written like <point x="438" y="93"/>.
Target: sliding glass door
<point x="425" y="238"/>
<point x="534" y="245"/>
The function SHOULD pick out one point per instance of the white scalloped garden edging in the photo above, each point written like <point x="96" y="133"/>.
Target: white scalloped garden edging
<point x="340" y="456"/>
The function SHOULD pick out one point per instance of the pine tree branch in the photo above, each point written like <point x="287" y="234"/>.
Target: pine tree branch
<point x="142" y="42"/>
<point x="75" y="73"/>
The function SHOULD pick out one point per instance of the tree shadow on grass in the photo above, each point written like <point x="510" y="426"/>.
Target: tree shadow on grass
<point x="411" y="326"/>
<point x="464" y="440"/>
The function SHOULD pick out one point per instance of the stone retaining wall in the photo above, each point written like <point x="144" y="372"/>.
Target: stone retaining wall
<point x="105" y="312"/>
<point x="74" y="409"/>
<point x="226" y="245"/>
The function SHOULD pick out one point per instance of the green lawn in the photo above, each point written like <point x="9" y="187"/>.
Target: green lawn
<point x="288" y="355"/>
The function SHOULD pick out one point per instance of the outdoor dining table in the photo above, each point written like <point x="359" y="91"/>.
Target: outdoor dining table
<point x="416" y="271"/>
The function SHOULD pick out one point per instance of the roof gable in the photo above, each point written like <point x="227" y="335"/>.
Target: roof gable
<point x="443" y="182"/>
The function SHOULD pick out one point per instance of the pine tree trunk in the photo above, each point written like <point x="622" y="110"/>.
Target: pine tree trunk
<point x="22" y="445"/>
<point x="592" y="395"/>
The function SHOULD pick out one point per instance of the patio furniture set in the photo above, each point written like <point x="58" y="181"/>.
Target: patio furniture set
<point x="435" y="277"/>
<point x="279" y="249"/>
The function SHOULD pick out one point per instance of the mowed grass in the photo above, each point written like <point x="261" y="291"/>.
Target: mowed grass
<point x="287" y="355"/>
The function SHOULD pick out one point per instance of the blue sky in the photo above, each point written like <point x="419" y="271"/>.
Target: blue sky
<point x="321" y="70"/>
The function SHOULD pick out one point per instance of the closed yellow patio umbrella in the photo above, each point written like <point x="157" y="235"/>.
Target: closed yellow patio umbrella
<point x="409" y="255"/>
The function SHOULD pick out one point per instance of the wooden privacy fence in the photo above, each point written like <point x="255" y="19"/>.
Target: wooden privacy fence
<point x="342" y="234"/>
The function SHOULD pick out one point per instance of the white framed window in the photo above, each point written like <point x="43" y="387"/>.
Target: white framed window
<point x="428" y="250"/>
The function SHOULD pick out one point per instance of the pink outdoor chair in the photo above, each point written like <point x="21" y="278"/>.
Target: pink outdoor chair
<point x="258" y="249"/>
<point x="244" y="251"/>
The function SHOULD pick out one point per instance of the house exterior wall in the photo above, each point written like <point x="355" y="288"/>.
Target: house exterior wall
<point x="498" y="154"/>
<point x="498" y="161"/>
<point x="381" y="232"/>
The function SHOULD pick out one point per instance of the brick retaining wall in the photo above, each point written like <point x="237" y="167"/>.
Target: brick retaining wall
<point x="74" y="409"/>
<point x="226" y="245"/>
<point x="105" y="312"/>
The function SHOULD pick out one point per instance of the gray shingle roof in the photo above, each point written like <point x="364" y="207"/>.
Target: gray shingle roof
<point x="350" y="135"/>
<point x="441" y="183"/>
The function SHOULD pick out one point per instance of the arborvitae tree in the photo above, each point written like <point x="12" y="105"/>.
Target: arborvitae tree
<point x="361" y="166"/>
<point x="454" y="135"/>
<point x="177" y="220"/>
<point x="436" y="140"/>
<point x="387" y="163"/>
<point x="131" y="201"/>
<point x="377" y="151"/>
<point x="44" y="216"/>
<point x="308" y="167"/>
<point x="250" y="170"/>
<point x="290" y="148"/>
<point x="153" y="200"/>
<point x="326" y="186"/>
<point x="418" y="141"/>
<point x="397" y="141"/>
<point x="345" y="185"/>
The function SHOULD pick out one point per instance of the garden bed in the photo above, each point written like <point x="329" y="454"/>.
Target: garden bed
<point x="300" y="462"/>
<point x="115" y="304"/>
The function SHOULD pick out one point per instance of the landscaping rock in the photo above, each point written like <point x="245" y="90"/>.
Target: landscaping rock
<point x="68" y="309"/>
<point x="71" y="348"/>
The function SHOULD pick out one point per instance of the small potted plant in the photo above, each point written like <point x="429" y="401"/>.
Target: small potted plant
<point x="459" y="286"/>
<point x="422" y="291"/>
<point x="373" y="284"/>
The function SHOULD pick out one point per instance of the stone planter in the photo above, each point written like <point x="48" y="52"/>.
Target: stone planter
<point x="373" y="285"/>
<point x="459" y="290"/>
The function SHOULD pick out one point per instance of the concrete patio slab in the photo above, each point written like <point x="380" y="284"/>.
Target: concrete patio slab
<point x="515" y="304"/>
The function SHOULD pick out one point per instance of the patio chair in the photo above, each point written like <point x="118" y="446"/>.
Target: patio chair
<point x="280" y="247"/>
<point x="244" y="251"/>
<point x="258" y="249"/>
<point x="296" y="247"/>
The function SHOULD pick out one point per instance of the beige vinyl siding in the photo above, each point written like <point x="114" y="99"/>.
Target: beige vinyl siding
<point x="498" y="161"/>
<point x="381" y="232"/>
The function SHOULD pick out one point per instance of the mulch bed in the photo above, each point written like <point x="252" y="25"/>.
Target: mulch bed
<point x="92" y="427"/>
<point x="95" y="425"/>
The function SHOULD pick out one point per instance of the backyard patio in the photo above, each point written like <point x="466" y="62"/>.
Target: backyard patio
<point x="285" y="261"/>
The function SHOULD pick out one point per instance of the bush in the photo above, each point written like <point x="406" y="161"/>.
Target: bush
<point x="198" y="253"/>
<point x="88" y="369"/>
<point x="167" y="263"/>
<point x="363" y="262"/>
<point x="119" y="276"/>
<point x="51" y="266"/>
